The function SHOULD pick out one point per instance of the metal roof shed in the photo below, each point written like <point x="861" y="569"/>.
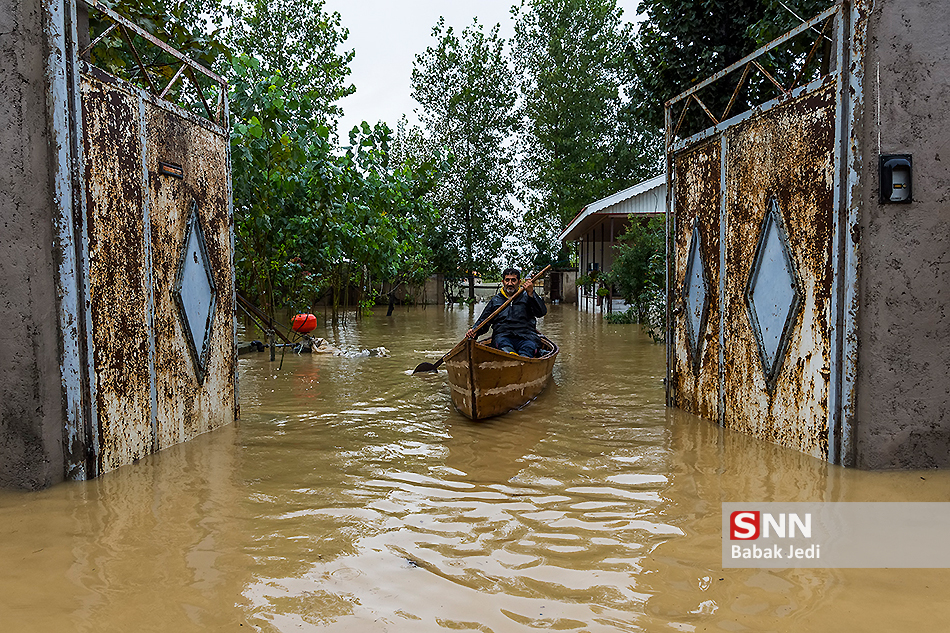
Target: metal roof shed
<point x="645" y="198"/>
<point x="597" y="226"/>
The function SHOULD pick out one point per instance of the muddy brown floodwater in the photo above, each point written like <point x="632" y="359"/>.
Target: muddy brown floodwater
<point x="352" y="497"/>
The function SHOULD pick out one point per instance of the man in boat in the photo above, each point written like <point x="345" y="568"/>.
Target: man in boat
<point x="514" y="330"/>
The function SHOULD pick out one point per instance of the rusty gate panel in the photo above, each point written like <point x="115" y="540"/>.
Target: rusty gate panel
<point x="187" y="173"/>
<point x="157" y="189"/>
<point x="695" y="280"/>
<point x="116" y="279"/>
<point x="779" y="174"/>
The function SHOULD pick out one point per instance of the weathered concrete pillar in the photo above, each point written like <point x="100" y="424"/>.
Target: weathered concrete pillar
<point x="903" y="393"/>
<point x="31" y="393"/>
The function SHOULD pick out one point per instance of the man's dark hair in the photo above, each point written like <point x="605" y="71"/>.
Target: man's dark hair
<point x="511" y="271"/>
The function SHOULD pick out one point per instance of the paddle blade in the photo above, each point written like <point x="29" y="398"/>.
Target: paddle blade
<point x="425" y="367"/>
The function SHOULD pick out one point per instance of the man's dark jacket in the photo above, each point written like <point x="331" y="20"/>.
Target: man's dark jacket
<point x="518" y="318"/>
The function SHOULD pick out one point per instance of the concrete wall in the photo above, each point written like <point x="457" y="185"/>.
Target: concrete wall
<point x="429" y="293"/>
<point x="31" y="404"/>
<point x="568" y="285"/>
<point x="903" y="393"/>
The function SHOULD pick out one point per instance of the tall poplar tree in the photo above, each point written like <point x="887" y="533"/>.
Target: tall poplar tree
<point x="301" y="41"/>
<point x="569" y="56"/>
<point x="467" y="92"/>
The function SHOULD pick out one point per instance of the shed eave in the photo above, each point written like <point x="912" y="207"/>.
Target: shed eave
<point x="596" y="212"/>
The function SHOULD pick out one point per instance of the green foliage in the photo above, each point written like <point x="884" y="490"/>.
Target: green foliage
<point x="415" y="151"/>
<point x="621" y="318"/>
<point x="637" y="272"/>
<point x="367" y="301"/>
<point x="193" y="27"/>
<point x="467" y="92"/>
<point x="683" y="42"/>
<point x="383" y="216"/>
<point x="569" y="56"/>
<point x="298" y="40"/>
<point x="310" y="218"/>
<point x="776" y="19"/>
<point x="280" y="159"/>
<point x="585" y="280"/>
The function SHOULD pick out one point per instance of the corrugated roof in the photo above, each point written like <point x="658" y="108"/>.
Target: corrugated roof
<point x="645" y="198"/>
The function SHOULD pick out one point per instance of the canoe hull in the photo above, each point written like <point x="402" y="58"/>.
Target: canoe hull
<point x="486" y="382"/>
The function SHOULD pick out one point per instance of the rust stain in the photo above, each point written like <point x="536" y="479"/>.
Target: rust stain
<point x="119" y="269"/>
<point x="117" y="281"/>
<point x="697" y="198"/>
<point x="786" y="154"/>
<point x="185" y="407"/>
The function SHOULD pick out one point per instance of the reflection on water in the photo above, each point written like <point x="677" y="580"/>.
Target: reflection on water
<point x="351" y="496"/>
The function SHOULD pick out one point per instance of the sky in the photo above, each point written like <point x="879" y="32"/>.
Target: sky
<point x="388" y="34"/>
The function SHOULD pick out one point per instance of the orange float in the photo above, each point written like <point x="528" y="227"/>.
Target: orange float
<point x="304" y="323"/>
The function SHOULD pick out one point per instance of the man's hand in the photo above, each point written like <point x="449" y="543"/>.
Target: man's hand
<point x="470" y="334"/>
<point x="528" y="286"/>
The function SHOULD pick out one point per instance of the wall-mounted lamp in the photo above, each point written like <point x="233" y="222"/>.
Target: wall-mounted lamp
<point x="896" y="178"/>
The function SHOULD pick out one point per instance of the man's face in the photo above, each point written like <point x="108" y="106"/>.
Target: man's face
<point x="510" y="282"/>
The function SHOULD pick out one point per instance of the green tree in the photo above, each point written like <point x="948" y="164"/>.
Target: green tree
<point x="282" y="178"/>
<point x="299" y="40"/>
<point x="467" y="91"/>
<point x="382" y="216"/>
<point x="413" y="149"/>
<point x="311" y="217"/>
<point x="569" y="56"/>
<point x="777" y="17"/>
<point x="637" y="272"/>
<point x="683" y="42"/>
<point x="636" y="268"/>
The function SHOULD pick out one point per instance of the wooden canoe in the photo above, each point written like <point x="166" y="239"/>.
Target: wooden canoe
<point x="487" y="382"/>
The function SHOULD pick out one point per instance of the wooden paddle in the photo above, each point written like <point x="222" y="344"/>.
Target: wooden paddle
<point x="435" y="366"/>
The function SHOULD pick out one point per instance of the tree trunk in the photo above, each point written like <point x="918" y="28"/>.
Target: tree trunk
<point x="346" y="292"/>
<point x="336" y="296"/>
<point x="468" y="253"/>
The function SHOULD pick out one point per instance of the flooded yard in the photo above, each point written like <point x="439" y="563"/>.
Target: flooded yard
<point x="351" y="496"/>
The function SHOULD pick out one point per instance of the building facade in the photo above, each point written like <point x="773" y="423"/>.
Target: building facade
<point x="595" y="231"/>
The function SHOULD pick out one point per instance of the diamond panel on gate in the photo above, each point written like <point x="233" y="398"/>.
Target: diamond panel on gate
<point x="195" y="293"/>
<point x="695" y="296"/>
<point x="772" y="293"/>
